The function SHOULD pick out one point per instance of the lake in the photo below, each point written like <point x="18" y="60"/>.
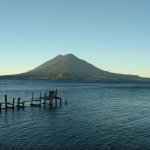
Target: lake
<point x="98" y="116"/>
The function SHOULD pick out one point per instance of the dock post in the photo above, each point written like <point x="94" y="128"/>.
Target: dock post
<point x="40" y="98"/>
<point x="23" y="105"/>
<point x="13" y="104"/>
<point x="51" y="102"/>
<point x="56" y="102"/>
<point x="45" y="99"/>
<point x="44" y="102"/>
<point x="5" y="101"/>
<point x="18" y="103"/>
<point x="60" y="101"/>
<point x="32" y="98"/>
<point x="66" y="102"/>
<point x="0" y="106"/>
<point x="56" y="92"/>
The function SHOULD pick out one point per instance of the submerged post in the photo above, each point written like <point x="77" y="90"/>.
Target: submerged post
<point x="18" y="103"/>
<point x="50" y="102"/>
<point x="23" y="105"/>
<point x="44" y="102"/>
<point x="5" y="101"/>
<point x="32" y="98"/>
<point x="60" y="101"/>
<point x="13" y="104"/>
<point x="56" y="102"/>
<point x="56" y="92"/>
<point x="0" y="106"/>
<point x="45" y="99"/>
<point x="40" y="98"/>
<point x="66" y="102"/>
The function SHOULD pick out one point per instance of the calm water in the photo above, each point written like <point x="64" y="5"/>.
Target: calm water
<point x="99" y="116"/>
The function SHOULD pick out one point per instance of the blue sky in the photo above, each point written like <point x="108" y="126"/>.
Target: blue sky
<point x="111" y="34"/>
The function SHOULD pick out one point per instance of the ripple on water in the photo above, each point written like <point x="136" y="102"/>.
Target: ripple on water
<point x="98" y="116"/>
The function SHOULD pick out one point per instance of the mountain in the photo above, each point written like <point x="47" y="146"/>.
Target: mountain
<point x="69" y="67"/>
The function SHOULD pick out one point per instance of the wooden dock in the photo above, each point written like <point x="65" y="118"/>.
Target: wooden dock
<point x="50" y="99"/>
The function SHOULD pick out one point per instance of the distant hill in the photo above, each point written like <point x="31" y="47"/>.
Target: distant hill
<point x="69" y="67"/>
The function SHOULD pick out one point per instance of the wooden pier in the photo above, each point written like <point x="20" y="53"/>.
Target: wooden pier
<point x="46" y="100"/>
<point x="50" y="99"/>
<point x="19" y="104"/>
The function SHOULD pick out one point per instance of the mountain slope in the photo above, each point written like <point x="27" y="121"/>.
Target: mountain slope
<point x="70" y="67"/>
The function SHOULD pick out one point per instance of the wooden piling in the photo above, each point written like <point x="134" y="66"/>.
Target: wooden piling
<point x="56" y="102"/>
<point x="60" y="101"/>
<point x="44" y="102"/>
<point x="18" y="103"/>
<point x="40" y="98"/>
<point x="13" y="104"/>
<point x="66" y="102"/>
<point x="23" y="105"/>
<point x="5" y="101"/>
<point x="45" y="99"/>
<point x="52" y="99"/>
<point x="32" y="98"/>
<point x="56" y="92"/>
<point x="50" y="102"/>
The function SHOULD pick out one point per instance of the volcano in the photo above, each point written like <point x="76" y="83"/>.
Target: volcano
<point x="69" y="67"/>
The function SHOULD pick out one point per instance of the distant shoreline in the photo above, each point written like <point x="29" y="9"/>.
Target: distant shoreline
<point x="80" y="81"/>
